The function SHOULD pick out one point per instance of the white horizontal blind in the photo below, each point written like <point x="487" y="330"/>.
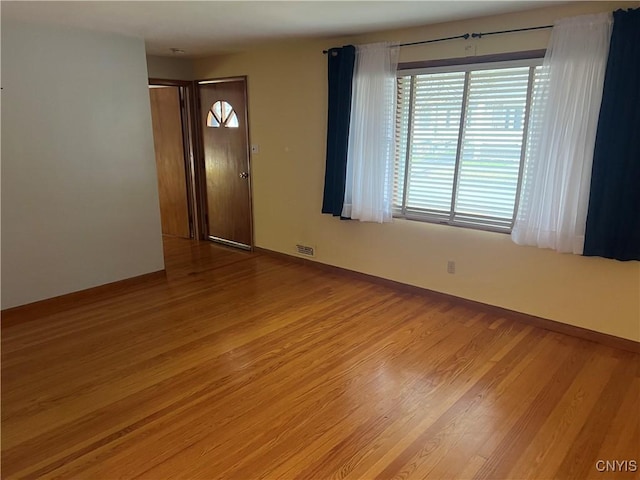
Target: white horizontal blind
<point x="536" y="113"/>
<point x="491" y="146"/>
<point x="460" y="137"/>
<point x="437" y="106"/>
<point x="403" y="103"/>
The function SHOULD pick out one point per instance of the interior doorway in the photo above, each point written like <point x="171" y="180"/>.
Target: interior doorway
<point x="172" y="137"/>
<point x="224" y="131"/>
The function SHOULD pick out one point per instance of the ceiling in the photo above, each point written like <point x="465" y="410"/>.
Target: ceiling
<point x="210" y="27"/>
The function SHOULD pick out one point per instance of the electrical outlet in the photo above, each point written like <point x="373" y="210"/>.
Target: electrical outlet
<point x="451" y="266"/>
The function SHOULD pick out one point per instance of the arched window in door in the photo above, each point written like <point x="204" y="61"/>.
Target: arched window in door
<point x="222" y="114"/>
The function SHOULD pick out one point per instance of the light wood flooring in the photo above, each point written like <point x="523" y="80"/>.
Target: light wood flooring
<point x="244" y="366"/>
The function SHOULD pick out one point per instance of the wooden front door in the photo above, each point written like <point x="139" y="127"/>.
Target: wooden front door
<point x="225" y="143"/>
<point x="170" y="161"/>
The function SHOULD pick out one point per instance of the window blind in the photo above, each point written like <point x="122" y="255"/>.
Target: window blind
<point x="460" y="138"/>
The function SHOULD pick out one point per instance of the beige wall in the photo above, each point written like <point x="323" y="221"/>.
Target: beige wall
<point x="287" y="106"/>
<point x="79" y="189"/>
<point x="170" y="68"/>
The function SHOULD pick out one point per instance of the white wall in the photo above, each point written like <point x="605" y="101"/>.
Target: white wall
<point x="79" y="193"/>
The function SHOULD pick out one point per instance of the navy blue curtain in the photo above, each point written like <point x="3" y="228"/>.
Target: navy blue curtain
<point x="341" y="62"/>
<point x="613" y="218"/>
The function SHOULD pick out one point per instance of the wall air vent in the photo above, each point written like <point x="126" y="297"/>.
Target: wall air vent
<point x="305" y="250"/>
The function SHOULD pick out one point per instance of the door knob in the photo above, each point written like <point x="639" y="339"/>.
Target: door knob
<point x="244" y="175"/>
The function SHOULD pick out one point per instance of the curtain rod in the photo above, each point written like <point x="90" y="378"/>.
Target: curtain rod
<point x="467" y="35"/>
<point x="480" y="35"/>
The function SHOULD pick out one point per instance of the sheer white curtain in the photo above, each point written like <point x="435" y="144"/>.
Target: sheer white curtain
<point x="553" y="204"/>
<point x="369" y="182"/>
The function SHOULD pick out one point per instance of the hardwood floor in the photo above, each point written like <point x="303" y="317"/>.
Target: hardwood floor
<point x="243" y="365"/>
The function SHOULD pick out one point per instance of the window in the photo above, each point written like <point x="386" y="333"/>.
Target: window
<point x="461" y="136"/>
<point x="222" y="113"/>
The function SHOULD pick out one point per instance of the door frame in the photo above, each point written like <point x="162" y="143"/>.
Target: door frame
<point x="198" y="132"/>
<point x="186" y="94"/>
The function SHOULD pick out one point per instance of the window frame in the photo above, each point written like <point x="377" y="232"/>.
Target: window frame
<point x="531" y="59"/>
